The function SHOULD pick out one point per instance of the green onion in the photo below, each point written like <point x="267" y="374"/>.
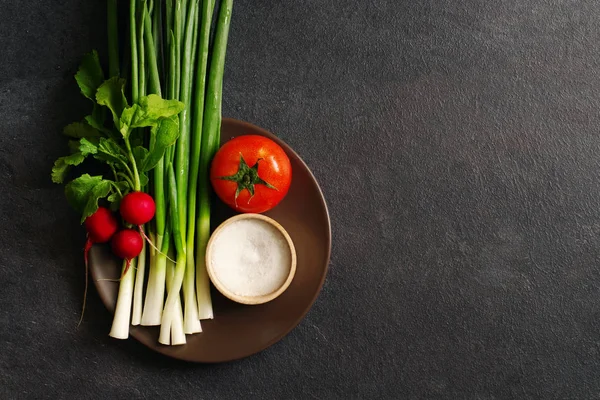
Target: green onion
<point x="120" y="326"/>
<point x="177" y="334"/>
<point x="154" y="300"/>
<point x="138" y="291"/>
<point x="211" y="131"/>
<point x="205" y="310"/>
<point x="175" y="286"/>
<point x="191" y="320"/>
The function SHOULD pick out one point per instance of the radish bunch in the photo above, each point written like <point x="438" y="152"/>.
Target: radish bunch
<point x="137" y="208"/>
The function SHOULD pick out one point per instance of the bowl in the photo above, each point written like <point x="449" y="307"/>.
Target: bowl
<point x="216" y="270"/>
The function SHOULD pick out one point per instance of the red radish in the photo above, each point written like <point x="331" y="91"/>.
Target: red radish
<point x="137" y="208"/>
<point x="127" y="244"/>
<point x="100" y="227"/>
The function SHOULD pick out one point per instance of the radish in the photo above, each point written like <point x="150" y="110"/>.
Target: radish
<point x="137" y="208"/>
<point x="127" y="244"/>
<point x="100" y="227"/>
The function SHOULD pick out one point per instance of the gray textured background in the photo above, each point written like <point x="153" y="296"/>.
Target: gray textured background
<point x="457" y="145"/>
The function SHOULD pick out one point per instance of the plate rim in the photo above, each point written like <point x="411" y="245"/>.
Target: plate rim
<point x="163" y="349"/>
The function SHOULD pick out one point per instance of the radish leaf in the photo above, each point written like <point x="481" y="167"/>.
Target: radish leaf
<point x="89" y="76"/>
<point x="143" y="179"/>
<point x="110" y="94"/>
<point x="97" y="118"/>
<point x="110" y="152"/>
<point x="62" y="165"/>
<point x="153" y="107"/>
<point x="115" y="200"/>
<point x="166" y="134"/>
<point x="87" y="147"/>
<point x="80" y="130"/>
<point x="127" y="119"/>
<point x="148" y="112"/>
<point x="140" y="154"/>
<point x="100" y="191"/>
<point x="78" y="189"/>
<point x="84" y="192"/>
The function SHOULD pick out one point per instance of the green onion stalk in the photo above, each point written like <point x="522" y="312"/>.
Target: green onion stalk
<point x="122" y="316"/>
<point x="154" y="300"/>
<point x="170" y="310"/>
<point x="177" y="333"/>
<point x="136" y="313"/>
<point x="211" y="136"/>
<point x="205" y="310"/>
<point x="191" y="320"/>
<point x="120" y="325"/>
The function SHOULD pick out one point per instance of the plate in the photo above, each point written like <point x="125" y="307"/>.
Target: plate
<point x="238" y="331"/>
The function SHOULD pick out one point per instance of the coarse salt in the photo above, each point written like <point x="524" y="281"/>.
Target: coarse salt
<point x="251" y="257"/>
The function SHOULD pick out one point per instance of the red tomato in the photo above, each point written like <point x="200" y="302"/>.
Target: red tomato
<point x="251" y="173"/>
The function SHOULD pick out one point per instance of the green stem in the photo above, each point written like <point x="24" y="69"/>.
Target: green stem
<point x="134" y="55"/>
<point x="154" y="302"/>
<point x="113" y="38"/>
<point x="154" y="81"/>
<point x="173" y="71"/>
<point x="192" y="60"/>
<point x="191" y="320"/>
<point x="203" y="222"/>
<point x="198" y="112"/>
<point x="178" y="22"/>
<point x="212" y="117"/>
<point x="157" y="31"/>
<point x="129" y="171"/>
<point x="211" y="129"/>
<point x="182" y="155"/>
<point x="114" y="185"/>
<point x="184" y="17"/>
<point x="141" y="52"/>
<point x="114" y="171"/>
<point x="127" y="178"/>
<point x="137" y="186"/>
<point x="175" y="229"/>
<point x="169" y="22"/>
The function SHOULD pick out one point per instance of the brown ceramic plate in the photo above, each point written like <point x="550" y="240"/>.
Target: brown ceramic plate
<point x="238" y="330"/>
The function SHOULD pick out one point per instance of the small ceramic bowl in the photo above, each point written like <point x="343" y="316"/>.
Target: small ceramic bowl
<point x="248" y="299"/>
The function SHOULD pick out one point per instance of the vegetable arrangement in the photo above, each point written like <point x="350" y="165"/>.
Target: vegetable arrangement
<point x="154" y="133"/>
<point x="154" y="128"/>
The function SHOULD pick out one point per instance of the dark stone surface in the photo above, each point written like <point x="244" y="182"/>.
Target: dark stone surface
<point x="457" y="145"/>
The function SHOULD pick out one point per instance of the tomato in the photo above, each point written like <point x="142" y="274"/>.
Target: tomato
<point x="251" y="173"/>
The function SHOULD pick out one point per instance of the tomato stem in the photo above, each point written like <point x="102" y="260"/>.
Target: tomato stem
<point x="246" y="177"/>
